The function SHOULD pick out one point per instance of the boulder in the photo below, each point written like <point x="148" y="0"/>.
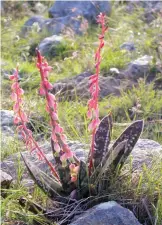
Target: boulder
<point x="139" y="68"/>
<point x="79" y="86"/>
<point x="86" y="9"/>
<point x="129" y="46"/>
<point x="72" y="16"/>
<point x="5" y="179"/>
<point x="108" y="213"/>
<point x="47" y="46"/>
<point x="35" y="22"/>
<point x="152" y="9"/>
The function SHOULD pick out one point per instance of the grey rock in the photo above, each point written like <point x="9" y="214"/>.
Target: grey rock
<point x="67" y="15"/>
<point x="55" y="26"/>
<point x="144" y="152"/>
<point x="108" y="213"/>
<point x="86" y="9"/>
<point x="7" y="117"/>
<point x="39" y="8"/>
<point x="5" y="179"/>
<point x="152" y="9"/>
<point x="79" y="86"/>
<point x="128" y="46"/>
<point x="49" y="44"/>
<point x="38" y="21"/>
<point x="139" y="68"/>
<point x="67" y="23"/>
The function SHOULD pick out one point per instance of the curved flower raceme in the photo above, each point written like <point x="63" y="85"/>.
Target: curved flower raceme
<point x="60" y="145"/>
<point x="20" y="119"/>
<point x="93" y="110"/>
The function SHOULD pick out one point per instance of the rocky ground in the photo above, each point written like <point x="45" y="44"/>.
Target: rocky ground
<point x="130" y="87"/>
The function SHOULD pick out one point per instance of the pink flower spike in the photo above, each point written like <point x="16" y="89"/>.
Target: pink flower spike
<point x="24" y="117"/>
<point x="63" y="157"/>
<point x="16" y="107"/>
<point x="42" y="91"/>
<point x="63" y="137"/>
<point x="89" y="114"/>
<point x="20" y="91"/>
<point x="14" y="86"/>
<point x="48" y="85"/>
<point x="12" y="77"/>
<point x="14" y="96"/>
<point x="54" y="116"/>
<point x="58" y="129"/>
<point x="69" y="154"/>
<point x="72" y="166"/>
<point x="53" y="136"/>
<point x="57" y="147"/>
<point x="16" y="120"/>
<point x="73" y="179"/>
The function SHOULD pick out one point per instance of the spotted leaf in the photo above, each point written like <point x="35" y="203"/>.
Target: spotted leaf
<point x="48" y="184"/>
<point x="82" y="180"/>
<point x="102" y="140"/>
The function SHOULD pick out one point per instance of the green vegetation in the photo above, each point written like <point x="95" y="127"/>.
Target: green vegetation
<point x="122" y="27"/>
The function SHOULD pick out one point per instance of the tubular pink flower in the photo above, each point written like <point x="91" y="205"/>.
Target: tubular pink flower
<point x="57" y="135"/>
<point x="21" y="119"/>
<point x="93" y="110"/>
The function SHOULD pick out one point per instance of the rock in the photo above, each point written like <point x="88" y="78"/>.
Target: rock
<point x="108" y="213"/>
<point x="7" y="127"/>
<point x="5" y="179"/>
<point x="10" y="164"/>
<point x="139" y="68"/>
<point x="144" y="152"/>
<point x="152" y="9"/>
<point x="55" y="26"/>
<point x="128" y="46"/>
<point x="39" y="8"/>
<point x="72" y="16"/>
<point x="38" y="21"/>
<point x="47" y="46"/>
<point x="87" y="9"/>
<point x="7" y="117"/>
<point x="79" y="86"/>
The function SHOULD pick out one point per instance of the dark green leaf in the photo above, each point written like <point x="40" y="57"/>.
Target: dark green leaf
<point x="82" y="180"/>
<point x="102" y="140"/>
<point x="48" y="184"/>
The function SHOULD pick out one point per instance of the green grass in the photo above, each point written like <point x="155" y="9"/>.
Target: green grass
<point x="123" y="27"/>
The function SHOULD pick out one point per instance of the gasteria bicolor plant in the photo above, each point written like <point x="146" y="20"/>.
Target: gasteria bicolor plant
<point x="73" y="178"/>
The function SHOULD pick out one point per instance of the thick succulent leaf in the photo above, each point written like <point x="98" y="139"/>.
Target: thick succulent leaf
<point x="112" y="161"/>
<point x="49" y="185"/>
<point x="131" y="134"/>
<point x="82" y="180"/>
<point x="102" y="140"/>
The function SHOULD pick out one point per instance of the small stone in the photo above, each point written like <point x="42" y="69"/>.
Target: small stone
<point x="5" y="179"/>
<point x="108" y="213"/>
<point x="128" y="46"/>
<point x="47" y="46"/>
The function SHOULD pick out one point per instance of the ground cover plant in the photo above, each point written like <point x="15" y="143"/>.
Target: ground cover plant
<point x="69" y="121"/>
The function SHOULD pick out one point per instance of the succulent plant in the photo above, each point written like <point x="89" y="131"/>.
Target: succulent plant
<point x="107" y="162"/>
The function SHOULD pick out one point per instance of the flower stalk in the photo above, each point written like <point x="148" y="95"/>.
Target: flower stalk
<point x="93" y="109"/>
<point x="59" y="138"/>
<point x="20" y="119"/>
